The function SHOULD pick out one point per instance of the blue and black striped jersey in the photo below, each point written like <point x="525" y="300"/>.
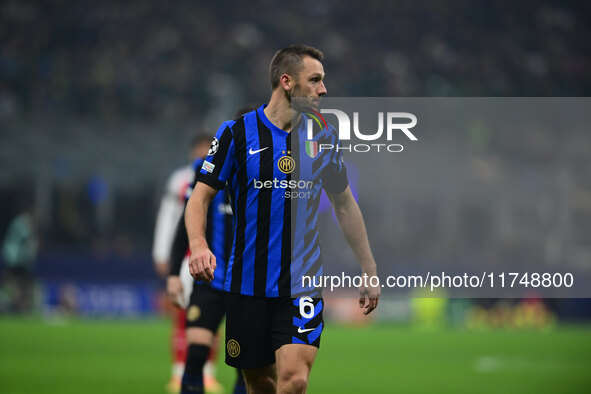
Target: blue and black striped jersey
<point x="275" y="180"/>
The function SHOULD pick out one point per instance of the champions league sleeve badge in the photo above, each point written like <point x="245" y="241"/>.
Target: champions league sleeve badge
<point x="213" y="148"/>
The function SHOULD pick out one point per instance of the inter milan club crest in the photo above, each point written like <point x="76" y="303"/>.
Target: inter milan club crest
<point x="286" y="164"/>
<point x="312" y="148"/>
<point x="233" y="348"/>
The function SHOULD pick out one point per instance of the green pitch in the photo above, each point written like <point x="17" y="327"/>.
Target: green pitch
<point x="133" y="357"/>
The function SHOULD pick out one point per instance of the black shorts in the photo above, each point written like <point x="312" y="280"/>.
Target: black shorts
<point x="207" y="307"/>
<point x="257" y="326"/>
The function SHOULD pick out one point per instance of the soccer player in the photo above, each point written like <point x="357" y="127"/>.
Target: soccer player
<point x="273" y="324"/>
<point x="206" y="307"/>
<point x="171" y="209"/>
<point x="169" y="213"/>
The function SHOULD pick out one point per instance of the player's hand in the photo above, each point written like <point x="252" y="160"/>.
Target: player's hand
<point x="174" y="290"/>
<point x="202" y="264"/>
<point x="368" y="298"/>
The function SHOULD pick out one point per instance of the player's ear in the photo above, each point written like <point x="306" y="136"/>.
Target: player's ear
<point x="286" y="82"/>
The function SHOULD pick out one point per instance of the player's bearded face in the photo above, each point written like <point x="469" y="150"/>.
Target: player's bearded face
<point x="308" y="84"/>
<point x="306" y="96"/>
<point x="302" y="101"/>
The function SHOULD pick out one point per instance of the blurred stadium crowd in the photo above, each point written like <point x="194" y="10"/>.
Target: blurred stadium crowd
<point x="161" y="60"/>
<point x="99" y="99"/>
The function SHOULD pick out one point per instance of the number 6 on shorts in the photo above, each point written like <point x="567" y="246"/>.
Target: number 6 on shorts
<point x="306" y="302"/>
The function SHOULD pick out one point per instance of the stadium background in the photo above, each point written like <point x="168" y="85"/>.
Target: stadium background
<point x="98" y="102"/>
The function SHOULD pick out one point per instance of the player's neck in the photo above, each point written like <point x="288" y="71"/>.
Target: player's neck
<point x="279" y="111"/>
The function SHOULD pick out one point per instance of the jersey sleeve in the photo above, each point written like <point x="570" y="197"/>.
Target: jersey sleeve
<point x="220" y="164"/>
<point x="334" y="175"/>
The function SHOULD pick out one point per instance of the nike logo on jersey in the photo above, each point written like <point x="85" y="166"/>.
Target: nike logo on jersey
<point x="301" y="331"/>
<point x="252" y="152"/>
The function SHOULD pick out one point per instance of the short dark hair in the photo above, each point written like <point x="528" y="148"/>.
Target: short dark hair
<point x="289" y="61"/>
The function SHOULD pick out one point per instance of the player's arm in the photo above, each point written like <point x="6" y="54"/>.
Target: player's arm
<point x="218" y="167"/>
<point x="174" y="285"/>
<point x="353" y="227"/>
<point x="202" y="262"/>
